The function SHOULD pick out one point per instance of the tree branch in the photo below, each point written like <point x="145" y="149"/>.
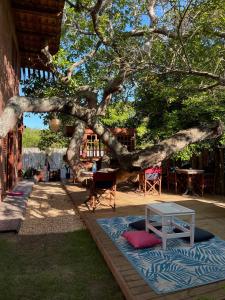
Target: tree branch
<point x="80" y="62"/>
<point x="133" y="161"/>
<point x="219" y="33"/>
<point x="16" y="106"/>
<point x="73" y="151"/>
<point x="205" y="74"/>
<point x="154" y="155"/>
<point x="180" y="34"/>
<point x="107" y="137"/>
<point x="113" y="86"/>
<point x="89" y="94"/>
<point x="50" y="64"/>
<point x="95" y="12"/>
<point x="79" y="30"/>
<point x="78" y="5"/>
<point x="150" y="31"/>
<point x="151" y="11"/>
<point x="207" y="87"/>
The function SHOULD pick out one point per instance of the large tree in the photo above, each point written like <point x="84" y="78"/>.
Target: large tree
<point x="109" y="47"/>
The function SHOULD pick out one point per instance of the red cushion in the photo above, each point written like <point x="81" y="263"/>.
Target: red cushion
<point x="15" y="193"/>
<point x="141" y="239"/>
<point x="156" y="170"/>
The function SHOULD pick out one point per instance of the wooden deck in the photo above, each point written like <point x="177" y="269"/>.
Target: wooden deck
<point x="210" y="215"/>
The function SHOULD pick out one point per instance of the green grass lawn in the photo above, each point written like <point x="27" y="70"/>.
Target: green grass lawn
<point x="55" y="266"/>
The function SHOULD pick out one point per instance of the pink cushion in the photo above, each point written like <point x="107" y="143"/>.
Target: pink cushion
<point x="141" y="239"/>
<point x="15" y="193"/>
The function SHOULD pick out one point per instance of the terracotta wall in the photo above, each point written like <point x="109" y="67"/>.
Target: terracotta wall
<point x="9" y="86"/>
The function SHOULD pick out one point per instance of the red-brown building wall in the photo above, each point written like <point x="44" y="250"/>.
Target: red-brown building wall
<point x="9" y="86"/>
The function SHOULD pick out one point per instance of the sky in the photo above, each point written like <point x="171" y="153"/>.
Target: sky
<point x="33" y="121"/>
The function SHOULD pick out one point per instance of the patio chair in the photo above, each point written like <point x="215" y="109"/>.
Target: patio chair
<point x="150" y="180"/>
<point x="175" y="182"/>
<point x="102" y="190"/>
<point x="205" y="183"/>
<point x="210" y="183"/>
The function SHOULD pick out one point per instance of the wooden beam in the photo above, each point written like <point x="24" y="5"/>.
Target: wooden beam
<point x="57" y="7"/>
<point x="53" y="48"/>
<point x="37" y="33"/>
<point x="26" y="52"/>
<point x="57" y="16"/>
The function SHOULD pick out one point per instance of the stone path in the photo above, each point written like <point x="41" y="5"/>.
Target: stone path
<point x="50" y="210"/>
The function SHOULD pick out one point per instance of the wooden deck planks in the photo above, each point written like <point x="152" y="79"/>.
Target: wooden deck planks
<point x="130" y="282"/>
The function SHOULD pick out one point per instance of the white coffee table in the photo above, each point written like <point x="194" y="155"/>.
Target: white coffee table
<point x="168" y="212"/>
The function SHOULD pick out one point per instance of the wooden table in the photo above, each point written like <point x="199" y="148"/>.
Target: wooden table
<point x="168" y="212"/>
<point x="87" y="175"/>
<point x="190" y="173"/>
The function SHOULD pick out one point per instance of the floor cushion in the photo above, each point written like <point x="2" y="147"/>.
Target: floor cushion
<point x="140" y="225"/>
<point x="15" y="193"/>
<point x="201" y="235"/>
<point x="141" y="239"/>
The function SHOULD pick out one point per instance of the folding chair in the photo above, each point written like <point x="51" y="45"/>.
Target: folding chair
<point x="150" y="180"/>
<point x="102" y="190"/>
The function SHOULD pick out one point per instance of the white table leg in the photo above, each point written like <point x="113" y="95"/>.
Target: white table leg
<point x="164" y="234"/>
<point x="146" y="219"/>
<point x="192" y="230"/>
<point x="164" y="243"/>
<point x="171" y="223"/>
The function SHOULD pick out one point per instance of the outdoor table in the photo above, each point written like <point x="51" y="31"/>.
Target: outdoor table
<point x="107" y="170"/>
<point x="87" y="175"/>
<point x="190" y="173"/>
<point x="169" y="213"/>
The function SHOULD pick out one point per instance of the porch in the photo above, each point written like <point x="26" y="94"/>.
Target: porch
<point x="210" y="211"/>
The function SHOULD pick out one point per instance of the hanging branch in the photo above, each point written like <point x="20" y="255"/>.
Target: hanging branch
<point x="49" y="63"/>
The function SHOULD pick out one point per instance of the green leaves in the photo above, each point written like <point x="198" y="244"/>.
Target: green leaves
<point x="168" y="95"/>
<point x="119" y="115"/>
<point x="44" y="139"/>
<point x="50" y="139"/>
<point x="31" y="137"/>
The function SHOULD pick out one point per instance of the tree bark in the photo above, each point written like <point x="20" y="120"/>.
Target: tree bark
<point x="107" y="137"/>
<point x="73" y="151"/>
<point x="152" y="156"/>
<point x="130" y="162"/>
<point x="16" y="106"/>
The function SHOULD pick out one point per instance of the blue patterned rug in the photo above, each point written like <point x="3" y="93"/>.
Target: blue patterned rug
<point x="179" y="267"/>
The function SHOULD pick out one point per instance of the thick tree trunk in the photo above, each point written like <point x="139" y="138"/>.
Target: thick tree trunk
<point x="107" y="137"/>
<point x="73" y="151"/>
<point x="129" y="162"/>
<point x="152" y="156"/>
<point x="16" y="106"/>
